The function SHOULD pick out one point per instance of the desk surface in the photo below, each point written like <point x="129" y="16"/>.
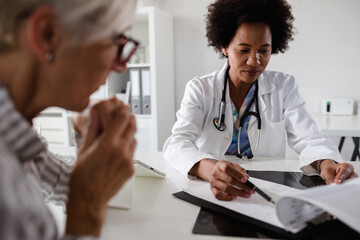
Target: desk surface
<point x="338" y="126"/>
<point x="156" y="214"/>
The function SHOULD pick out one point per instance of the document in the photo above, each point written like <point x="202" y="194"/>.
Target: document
<point x="294" y="208"/>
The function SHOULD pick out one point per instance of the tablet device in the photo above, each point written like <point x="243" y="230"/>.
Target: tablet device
<point x="144" y="170"/>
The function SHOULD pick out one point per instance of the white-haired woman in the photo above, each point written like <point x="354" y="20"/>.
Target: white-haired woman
<point x="56" y="53"/>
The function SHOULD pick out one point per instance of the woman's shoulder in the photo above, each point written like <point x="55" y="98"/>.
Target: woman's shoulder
<point x="277" y="75"/>
<point x="209" y="80"/>
<point x="206" y="78"/>
<point x="277" y="78"/>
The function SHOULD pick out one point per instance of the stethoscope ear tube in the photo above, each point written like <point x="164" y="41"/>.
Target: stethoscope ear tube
<point x="220" y="121"/>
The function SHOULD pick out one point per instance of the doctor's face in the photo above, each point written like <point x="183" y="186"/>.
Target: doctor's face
<point x="249" y="52"/>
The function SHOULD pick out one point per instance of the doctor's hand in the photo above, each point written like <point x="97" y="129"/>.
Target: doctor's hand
<point x="227" y="180"/>
<point x="104" y="164"/>
<point x="332" y="172"/>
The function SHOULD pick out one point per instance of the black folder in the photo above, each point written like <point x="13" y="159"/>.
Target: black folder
<point x="217" y="220"/>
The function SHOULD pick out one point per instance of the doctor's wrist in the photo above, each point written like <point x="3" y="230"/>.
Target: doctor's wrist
<point x="323" y="163"/>
<point x="203" y="168"/>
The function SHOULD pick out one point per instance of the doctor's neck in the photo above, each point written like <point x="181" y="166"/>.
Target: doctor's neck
<point x="239" y="85"/>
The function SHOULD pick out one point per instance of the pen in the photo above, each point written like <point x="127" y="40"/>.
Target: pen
<point x="261" y="193"/>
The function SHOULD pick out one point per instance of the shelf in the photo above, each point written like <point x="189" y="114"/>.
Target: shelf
<point x="138" y="65"/>
<point x="142" y="116"/>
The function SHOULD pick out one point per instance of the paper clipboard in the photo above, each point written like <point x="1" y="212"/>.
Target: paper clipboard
<point x="258" y="228"/>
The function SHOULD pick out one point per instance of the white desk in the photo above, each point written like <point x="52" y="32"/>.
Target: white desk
<point x="157" y="215"/>
<point x="341" y="126"/>
<point x="338" y="126"/>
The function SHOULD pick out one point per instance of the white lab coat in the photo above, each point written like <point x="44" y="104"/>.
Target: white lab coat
<point x="283" y="116"/>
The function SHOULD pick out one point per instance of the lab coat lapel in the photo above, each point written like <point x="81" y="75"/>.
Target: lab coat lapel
<point x="228" y="115"/>
<point x="266" y="86"/>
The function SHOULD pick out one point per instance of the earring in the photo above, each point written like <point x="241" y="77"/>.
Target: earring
<point x="49" y="56"/>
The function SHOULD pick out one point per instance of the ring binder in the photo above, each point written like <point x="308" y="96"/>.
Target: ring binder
<point x="146" y="91"/>
<point x="135" y="91"/>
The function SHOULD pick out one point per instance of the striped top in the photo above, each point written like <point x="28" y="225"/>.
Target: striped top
<point x="29" y="176"/>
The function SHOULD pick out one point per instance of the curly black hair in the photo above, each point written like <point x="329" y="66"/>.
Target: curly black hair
<point x="225" y="16"/>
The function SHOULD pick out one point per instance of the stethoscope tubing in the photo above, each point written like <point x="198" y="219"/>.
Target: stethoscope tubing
<point x="219" y="122"/>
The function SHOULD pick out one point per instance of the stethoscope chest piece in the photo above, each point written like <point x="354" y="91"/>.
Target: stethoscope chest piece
<point x="220" y="125"/>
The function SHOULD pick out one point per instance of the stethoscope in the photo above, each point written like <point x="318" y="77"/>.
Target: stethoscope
<point x="219" y="122"/>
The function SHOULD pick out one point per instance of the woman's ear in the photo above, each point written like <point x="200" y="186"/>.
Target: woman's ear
<point x="42" y="33"/>
<point x="224" y="51"/>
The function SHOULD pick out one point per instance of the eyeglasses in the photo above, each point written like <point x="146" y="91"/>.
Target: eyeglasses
<point x="127" y="47"/>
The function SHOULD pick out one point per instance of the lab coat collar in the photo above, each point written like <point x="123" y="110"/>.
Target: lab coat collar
<point x="266" y="86"/>
<point x="265" y="83"/>
<point x="219" y="83"/>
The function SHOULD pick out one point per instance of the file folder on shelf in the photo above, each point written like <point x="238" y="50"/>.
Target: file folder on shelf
<point x="146" y="91"/>
<point x="135" y="91"/>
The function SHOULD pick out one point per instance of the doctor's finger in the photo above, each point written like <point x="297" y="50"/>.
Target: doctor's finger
<point x="233" y="170"/>
<point x="229" y="180"/>
<point x="223" y="191"/>
<point x="343" y="172"/>
<point x="218" y="194"/>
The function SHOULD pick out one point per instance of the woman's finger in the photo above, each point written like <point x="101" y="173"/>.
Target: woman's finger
<point x="233" y="170"/>
<point x="222" y="191"/>
<point x="228" y="188"/>
<point x="343" y="172"/>
<point x="118" y="124"/>
<point x="106" y="109"/>
<point x="221" y="195"/>
<point x="133" y="147"/>
<point x="92" y="131"/>
<point x="130" y="130"/>
<point x="231" y="181"/>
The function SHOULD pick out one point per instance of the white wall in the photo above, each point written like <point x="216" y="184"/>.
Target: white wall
<point x="324" y="57"/>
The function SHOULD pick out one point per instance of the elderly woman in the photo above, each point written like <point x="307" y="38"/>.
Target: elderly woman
<point x="245" y="110"/>
<point x="56" y="53"/>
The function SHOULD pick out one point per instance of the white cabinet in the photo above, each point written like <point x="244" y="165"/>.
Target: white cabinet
<point x="55" y="126"/>
<point x="153" y="28"/>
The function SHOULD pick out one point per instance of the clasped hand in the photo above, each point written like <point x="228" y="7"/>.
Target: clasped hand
<point x="104" y="164"/>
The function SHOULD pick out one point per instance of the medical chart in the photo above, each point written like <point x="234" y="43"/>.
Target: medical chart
<point x="294" y="208"/>
<point x="341" y="201"/>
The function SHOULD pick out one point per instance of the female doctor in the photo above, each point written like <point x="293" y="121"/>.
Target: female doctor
<point x="245" y="110"/>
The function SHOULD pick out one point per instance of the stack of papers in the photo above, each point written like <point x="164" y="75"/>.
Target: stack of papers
<point x="294" y="208"/>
